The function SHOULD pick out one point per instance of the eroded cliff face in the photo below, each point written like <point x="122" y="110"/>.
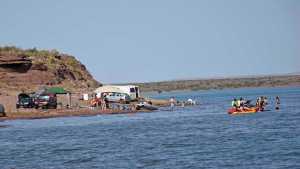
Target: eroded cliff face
<point x="30" y="69"/>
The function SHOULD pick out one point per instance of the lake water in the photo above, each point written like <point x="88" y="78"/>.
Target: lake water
<point x="203" y="136"/>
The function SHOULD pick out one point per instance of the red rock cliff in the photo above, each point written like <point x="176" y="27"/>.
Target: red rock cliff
<point x="28" y="69"/>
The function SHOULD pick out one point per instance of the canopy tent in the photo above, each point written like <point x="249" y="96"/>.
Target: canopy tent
<point x="57" y="90"/>
<point x="108" y="89"/>
<point x="63" y="96"/>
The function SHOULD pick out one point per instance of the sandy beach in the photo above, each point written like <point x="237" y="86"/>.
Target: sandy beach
<point x="9" y="101"/>
<point x="41" y="114"/>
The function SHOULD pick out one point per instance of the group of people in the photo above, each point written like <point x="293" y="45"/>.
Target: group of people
<point x="104" y="104"/>
<point x="101" y="102"/>
<point x="241" y="104"/>
<point x="261" y="103"/>
<point x="173" y="102"/>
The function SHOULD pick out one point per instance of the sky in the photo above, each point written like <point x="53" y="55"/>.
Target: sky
<point x="123" y="41"/>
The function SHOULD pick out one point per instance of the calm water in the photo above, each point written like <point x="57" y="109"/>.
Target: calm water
<point x="203" y="136"/>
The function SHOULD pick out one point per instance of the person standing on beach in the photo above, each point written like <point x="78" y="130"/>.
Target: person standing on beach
<point x="103" y="106"/>
<point x="106" y="102"/>
<point x="277" y="102"/>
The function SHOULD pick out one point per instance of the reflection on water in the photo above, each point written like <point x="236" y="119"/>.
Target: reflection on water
<point x="203" y="136"/>
<point x="2" y="126"/>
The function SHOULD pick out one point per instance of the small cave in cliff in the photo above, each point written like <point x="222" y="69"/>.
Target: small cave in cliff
<point x="15" y="67"/>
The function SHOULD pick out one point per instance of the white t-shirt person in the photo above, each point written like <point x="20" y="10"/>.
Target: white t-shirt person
<point x="172" y="102"/>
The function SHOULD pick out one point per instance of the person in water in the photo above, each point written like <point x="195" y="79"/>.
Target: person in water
<point x="172" y="103"/>
<point x="265" y="101"/>
<point x="262" y="102"/>
<point x="277" y="102"/>
<point x="257" y="102"/>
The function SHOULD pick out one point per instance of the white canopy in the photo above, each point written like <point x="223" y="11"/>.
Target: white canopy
<point x="106" y="89"/>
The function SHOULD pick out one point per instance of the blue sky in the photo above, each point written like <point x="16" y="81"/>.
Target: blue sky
<point x="154" y="40"/>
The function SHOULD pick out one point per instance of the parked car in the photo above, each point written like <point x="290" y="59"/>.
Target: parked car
<point x="46" y="101"/>
<point x="24" y="101"/>
<point x="118" y="97"/>
<point x="2" y="111"/>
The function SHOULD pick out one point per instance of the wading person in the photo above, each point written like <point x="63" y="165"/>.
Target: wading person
<point x="172" y="103"/>
<point x="261" y="103"/>
<point x="277" y="102"/>
<point x="257" y="103"/>
<point x="265" y="101"/>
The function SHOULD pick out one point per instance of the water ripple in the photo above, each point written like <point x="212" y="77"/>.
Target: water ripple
<point x="196" y="137"/>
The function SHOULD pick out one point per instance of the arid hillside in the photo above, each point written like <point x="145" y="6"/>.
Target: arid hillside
<point x="31" y="68"/>
<point x="205" y="84"/>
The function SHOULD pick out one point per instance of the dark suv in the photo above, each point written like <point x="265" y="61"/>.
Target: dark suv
<point x="46" y="101"/>
<point x="2" y="111"/>
<point x="24" y="101"/>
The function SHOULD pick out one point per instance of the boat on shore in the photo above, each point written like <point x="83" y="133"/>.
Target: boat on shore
<point x="146" y="106"/>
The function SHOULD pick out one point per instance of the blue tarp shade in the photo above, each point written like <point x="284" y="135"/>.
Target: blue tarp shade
<point x="56" y="90"/>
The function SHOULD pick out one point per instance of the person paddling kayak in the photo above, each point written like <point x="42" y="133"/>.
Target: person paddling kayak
<point x="241" y="106"/>
<point x="236" y="104"/>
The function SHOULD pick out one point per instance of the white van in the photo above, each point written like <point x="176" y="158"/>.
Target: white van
<point x="131" y="90"/>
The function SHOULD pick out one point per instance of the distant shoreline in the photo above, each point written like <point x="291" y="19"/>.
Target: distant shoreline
<point x="218" y="84"/>
<point x="152" y="93"/>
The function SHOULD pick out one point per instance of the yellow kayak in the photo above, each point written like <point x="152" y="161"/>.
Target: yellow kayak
<point x="234" y="111"/>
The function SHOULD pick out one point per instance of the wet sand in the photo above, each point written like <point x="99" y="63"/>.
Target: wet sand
<point x="41" y="114"/>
